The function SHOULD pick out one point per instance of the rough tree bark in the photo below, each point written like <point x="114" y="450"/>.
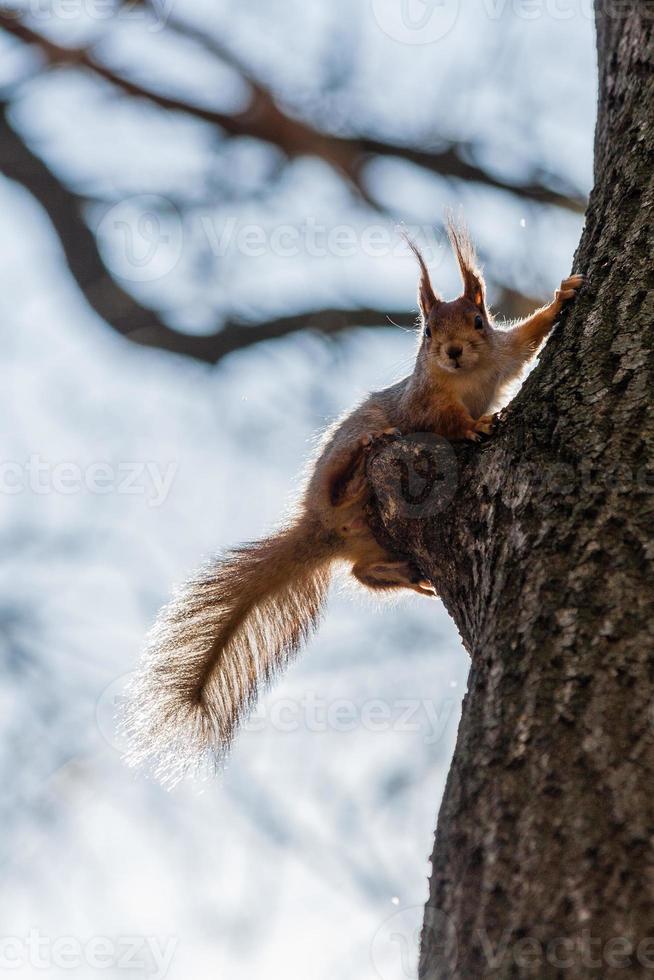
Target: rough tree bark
<point x="543" y="863"/>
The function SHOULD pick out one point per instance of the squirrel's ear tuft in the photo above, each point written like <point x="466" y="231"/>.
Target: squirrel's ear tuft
<point x="474" y="287"/>
<point x="427" y="298"/>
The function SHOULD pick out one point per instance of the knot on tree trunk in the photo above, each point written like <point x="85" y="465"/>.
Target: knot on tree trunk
<point x="423" y="487"/>
<point x="414" y="480"/>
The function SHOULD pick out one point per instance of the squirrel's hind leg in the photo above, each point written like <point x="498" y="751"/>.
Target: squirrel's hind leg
<point x="390" y="574"/>
<point x="347" y="480"/>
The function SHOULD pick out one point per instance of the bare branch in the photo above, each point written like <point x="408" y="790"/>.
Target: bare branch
<point x="144" y="326"/>
<point x="453" y="160"/>
<point x="265" y="120"/>
<point x="120" y="310"/>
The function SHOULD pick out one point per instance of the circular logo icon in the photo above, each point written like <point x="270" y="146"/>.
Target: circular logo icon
<point x="396" y="944"/>
<point x="109" y="709"/>
<point x="141" y="238"/>
<point x="418" y="472"/>
<point x="416" y="21"/>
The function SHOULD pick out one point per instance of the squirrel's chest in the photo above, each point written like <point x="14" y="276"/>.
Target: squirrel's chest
<point x="477" y="392"/>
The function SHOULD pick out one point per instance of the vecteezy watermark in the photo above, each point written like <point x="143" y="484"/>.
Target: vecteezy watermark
<point x="564" y="10"/>
<point x="40" y="476"/>
<point x="108" y="711"/>
<point x="318" y="240"/>
<point x="152" y="16"/>
<point x="427" y="21"/>
<point x="377" y="715"/>
<point x="582" y="951"/>
<point x="418" y="716"/>
<point x="416" y="476"/>
<point x="142" y="238"/>
<point x="147" y="955"/>
<point x="569" y="478"/>
<point x="416" y="21"/>
<point x="419" y="472"/>
<point x="394" y="949"/>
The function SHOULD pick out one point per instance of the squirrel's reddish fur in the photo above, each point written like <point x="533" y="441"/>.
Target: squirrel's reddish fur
<point x="234" y="625"/>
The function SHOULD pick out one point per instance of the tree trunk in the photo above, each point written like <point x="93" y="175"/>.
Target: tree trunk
<point x="543" y="863"/>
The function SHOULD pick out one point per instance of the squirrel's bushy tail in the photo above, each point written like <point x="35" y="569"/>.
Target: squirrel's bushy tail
<point x="223" y="636"/>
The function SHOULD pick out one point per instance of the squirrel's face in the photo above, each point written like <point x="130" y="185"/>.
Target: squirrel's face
<point x="457" y="336"/>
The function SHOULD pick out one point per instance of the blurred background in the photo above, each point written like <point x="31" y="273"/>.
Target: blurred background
<point x="199" y="209"/>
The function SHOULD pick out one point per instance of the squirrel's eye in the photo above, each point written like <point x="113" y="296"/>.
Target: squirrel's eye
<point x="427" y="331"/>
<point x="479" y="323"/>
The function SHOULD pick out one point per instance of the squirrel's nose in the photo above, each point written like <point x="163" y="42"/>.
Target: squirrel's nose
<point x="454" y="352"/>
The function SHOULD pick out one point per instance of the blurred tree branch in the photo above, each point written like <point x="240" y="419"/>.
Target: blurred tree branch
<point x="264" y="120"/>
<point x="129" y="318"/>
<point x="136" y="322"/>
<point x="350" y="154"/>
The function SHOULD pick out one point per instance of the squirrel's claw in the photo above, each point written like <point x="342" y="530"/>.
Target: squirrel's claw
<point x="485" y="425"/>
<point x="425" y="587"/>
<point x="371" y="437"/>
<point x="568" y="289"/>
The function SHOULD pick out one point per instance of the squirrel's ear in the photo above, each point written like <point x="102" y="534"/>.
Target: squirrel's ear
<point x="474" y="287"/>
<point x="427" y="298"/>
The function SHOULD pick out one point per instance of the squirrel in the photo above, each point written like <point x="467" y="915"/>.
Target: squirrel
<point x="238" y="622"/>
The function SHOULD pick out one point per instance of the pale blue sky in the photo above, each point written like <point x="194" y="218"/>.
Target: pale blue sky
<point x="291" y="864"/>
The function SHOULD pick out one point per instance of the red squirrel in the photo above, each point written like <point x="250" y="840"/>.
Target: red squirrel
<point x="230" y="629"/>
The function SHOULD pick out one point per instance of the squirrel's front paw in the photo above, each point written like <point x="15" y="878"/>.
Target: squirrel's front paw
<point x="485" y="426"/>
<point x="568" y="290"/>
